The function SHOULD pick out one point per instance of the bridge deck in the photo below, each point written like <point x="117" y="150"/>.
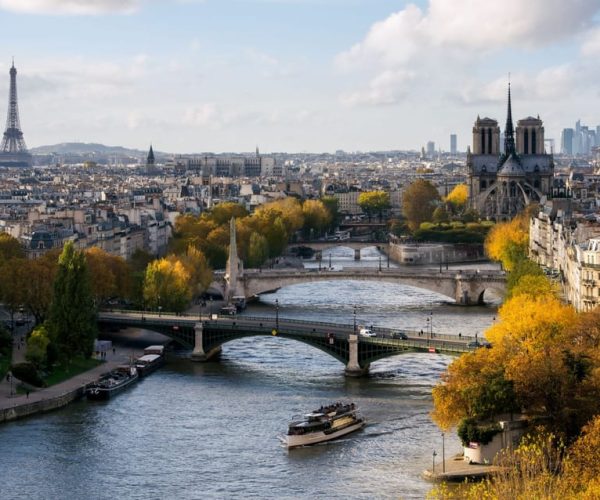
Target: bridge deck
<point x="386" y="338"/>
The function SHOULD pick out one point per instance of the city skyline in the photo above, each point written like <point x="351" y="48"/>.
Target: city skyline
<point x="293" y="75"/>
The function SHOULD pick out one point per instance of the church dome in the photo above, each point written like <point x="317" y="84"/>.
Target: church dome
<point x="511" y="168"/>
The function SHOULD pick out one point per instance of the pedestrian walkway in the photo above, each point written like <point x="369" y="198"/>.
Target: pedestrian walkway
<point x="18" y="356"/>
<point x="456" y="469"/>
<point x="7" y="401"/>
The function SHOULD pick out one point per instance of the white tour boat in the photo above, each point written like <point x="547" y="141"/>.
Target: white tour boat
<point x="327" y="423"/>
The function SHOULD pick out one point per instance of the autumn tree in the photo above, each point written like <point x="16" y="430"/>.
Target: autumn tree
<point x="196" y="265"/>
<point x="458" y="197"/>
<point x="12" y="283"/>
<point x="507" y="242"/>
<point x="38" y="284"/>
<point x="72" y="322"/>
<point x="110" y="275"/>
<point x="258" y="250"/>
<point x="10" y="248"/>
<point x="166" y="285"/>
<point x="374" y="203"/>
<point x="419" y="200"/>
<point x="223" y="212"/>
<point x="316" y="217"/>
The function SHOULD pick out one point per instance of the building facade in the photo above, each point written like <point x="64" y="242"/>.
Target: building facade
<point x="501" y="184"/>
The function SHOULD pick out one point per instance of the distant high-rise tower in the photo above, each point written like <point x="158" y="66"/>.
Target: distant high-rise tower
<point x="566" y="141"/>
<point x="453" y="148"/>
<point x="13" y="151"/>
<point x="430" y="149"/>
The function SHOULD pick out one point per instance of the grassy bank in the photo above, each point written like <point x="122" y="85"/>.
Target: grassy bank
<point x="65" y="371"/>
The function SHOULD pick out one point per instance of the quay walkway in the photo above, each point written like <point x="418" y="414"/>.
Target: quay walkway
<point x="15" y="406"/>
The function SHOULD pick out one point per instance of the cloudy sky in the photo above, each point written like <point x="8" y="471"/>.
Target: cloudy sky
<point x="295" y="75"/>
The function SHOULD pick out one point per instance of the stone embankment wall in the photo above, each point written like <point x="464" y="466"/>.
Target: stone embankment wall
<point x="434" y="253"/>
<point x="44" y="405"/>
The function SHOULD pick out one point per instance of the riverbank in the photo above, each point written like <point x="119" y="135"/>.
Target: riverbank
<point x="15" y="406"/>
<point x="457" y="470"/>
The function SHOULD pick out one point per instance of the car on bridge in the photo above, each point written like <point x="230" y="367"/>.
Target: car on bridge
<point x="479" y="343"/>
<point x="367" y="332"/>
<point x="399" y="335"/>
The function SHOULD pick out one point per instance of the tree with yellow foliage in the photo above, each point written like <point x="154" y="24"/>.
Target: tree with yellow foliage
<point x="458" y="197"/>
<point x="166" y="285"/>
<point x="200" y="273"/>
<point x="507" y="242"/>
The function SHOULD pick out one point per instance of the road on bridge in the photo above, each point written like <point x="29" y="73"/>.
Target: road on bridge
<point x="399" y="337"/>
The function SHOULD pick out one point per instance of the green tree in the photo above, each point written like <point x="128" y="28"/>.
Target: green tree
<point x="316" y="217"/>
<point x="332" y="204"/>
<point x="258" y="251"/>
<point x="374" y="203"/>
<point x="418" y="203"/>
<point x="440" y="214"/>
<point x="37" y="347"/>
<point x="72" y="322"/>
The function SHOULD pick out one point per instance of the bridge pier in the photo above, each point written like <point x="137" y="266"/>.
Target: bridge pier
<point x="198" y="353"/>
<point x="357" y="254"/>
<point x="353" y="368"/>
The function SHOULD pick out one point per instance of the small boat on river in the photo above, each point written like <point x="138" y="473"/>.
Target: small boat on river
<point x="112" y="383"/>
<point x="324" y="424"/>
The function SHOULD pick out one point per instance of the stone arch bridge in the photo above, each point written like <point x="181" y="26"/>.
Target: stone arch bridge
<point x="464" y="287"/>
<point x="357" y="245"/>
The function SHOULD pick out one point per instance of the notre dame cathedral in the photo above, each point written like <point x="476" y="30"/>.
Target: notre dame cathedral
<point x="502" y="184"/>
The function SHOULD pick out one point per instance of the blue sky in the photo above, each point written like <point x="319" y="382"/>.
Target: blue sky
<point x="295" y="75"/>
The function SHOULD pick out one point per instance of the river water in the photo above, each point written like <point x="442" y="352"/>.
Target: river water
<point x="210" y="430"/>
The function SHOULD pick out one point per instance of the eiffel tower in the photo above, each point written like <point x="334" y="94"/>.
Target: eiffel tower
<point x="13" y="151"/>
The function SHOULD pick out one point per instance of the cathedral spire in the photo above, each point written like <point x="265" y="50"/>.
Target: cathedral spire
<point x="509" y="133"/>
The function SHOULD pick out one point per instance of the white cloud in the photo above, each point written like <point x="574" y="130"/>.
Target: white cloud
<point x="451" y="36"/>
<point x="386" y="88"/>
<point x="591" y="45"/>
<point x="70" y="7"/>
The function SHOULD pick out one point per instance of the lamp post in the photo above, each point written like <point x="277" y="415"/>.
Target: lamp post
<point x="354" y="315"/>
<point x="433" y="464"/>
<point x="380" y="262"/>
<point x="159" y="307"/>
<point x="330" y="261"/>
<point x="210" y="307"/>
<point x="277" y="314"/>
<point x="443" y="454"/>
<point x="431" y="325"/>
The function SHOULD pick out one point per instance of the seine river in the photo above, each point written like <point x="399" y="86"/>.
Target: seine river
<point x="210" y="431"/>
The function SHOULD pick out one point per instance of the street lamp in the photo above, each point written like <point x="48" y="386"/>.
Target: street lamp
<point x="330" y="261"/>
<point x="354" y="315"/>
<point x="443" y="454"/>
<point x="380" y="262"/>
<point x="277" y="314"/>
<point x="433" y="465"/>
